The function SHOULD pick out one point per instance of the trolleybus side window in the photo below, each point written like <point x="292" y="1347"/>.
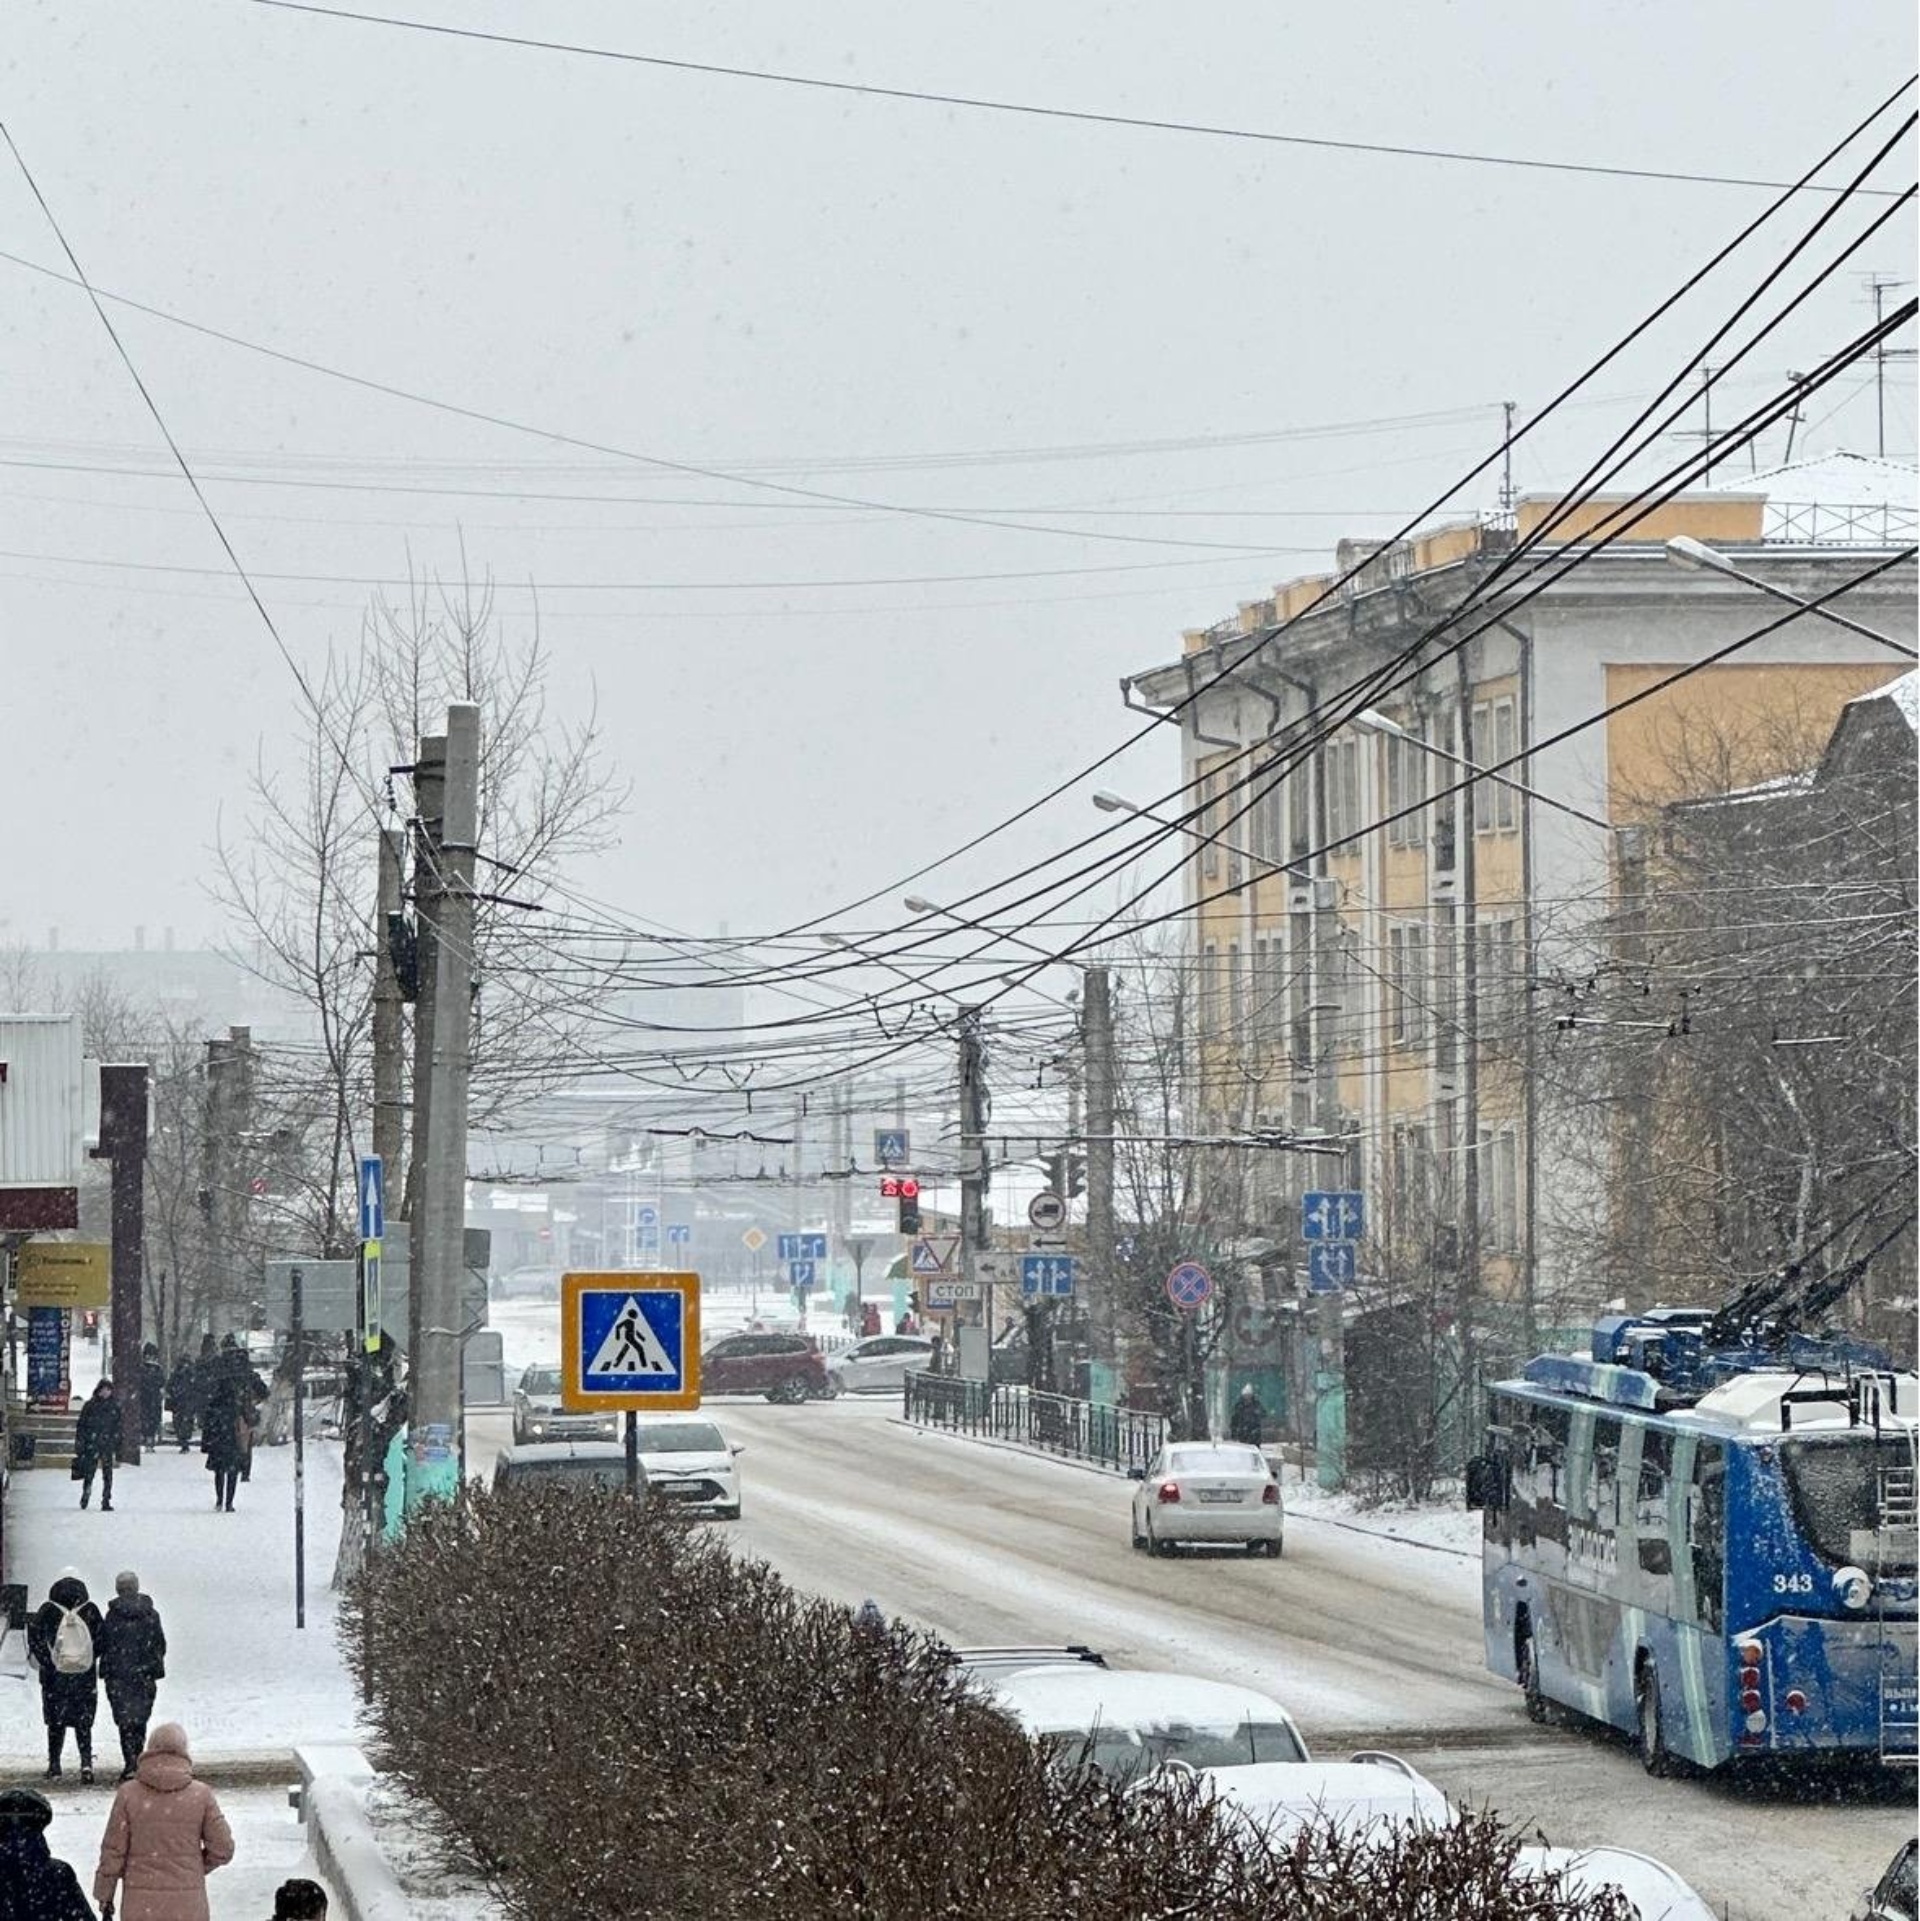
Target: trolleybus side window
<point x="1603" y="1474"/>
<point x="1650" y="1501"/>
<point x="1540" y="1475"/>
<point x="1707" y="1530"/>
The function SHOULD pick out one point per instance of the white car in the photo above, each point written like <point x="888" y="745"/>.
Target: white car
<point x="1212" y="1492"/>
<point x="1657" y="1893"/>
<point x="1372" y="1793"/>
<point x="690" y="1464"/>
<point x="881" y="1363"/>
<point x="1130" y="1721"/>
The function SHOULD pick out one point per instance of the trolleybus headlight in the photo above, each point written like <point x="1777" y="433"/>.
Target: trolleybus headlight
<point x="1751" y="1654"/>
<point x="1854" y="1586"/>
<point x="1756" y="1723"/>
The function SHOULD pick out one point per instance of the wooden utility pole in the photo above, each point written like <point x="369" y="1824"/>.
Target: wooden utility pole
<point x="1096" y="1032"/>
<point x="123" y="1141"/>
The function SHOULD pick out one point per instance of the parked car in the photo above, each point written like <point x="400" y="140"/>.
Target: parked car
<point x="576" y="1464"/>
<point x="783" y="1367"/>
<point x="1894" y="1898"/>
<point x="879" y="1364"/>
<point x="1656" y="1892"/>
<point x="538" y="1415"/>
<point x="690" y="1463"/>
<point x="990" y="1663"/>
<point x="1129" y="1721"/>
<point x="1373" y="1793"/>
<point x="1211" y="1492"/>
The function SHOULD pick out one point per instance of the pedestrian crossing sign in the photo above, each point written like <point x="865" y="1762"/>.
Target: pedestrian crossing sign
<point x="629" y="1342"/>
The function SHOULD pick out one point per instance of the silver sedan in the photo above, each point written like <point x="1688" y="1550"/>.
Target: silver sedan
<point x="1216" y="1493"/>
<point x="880" y="1363"/>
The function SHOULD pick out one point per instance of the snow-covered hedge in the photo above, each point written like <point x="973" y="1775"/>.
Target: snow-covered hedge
<point x="614" y="1719"/>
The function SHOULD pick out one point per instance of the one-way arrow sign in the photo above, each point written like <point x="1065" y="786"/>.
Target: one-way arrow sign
<point x="373" y="1205"/>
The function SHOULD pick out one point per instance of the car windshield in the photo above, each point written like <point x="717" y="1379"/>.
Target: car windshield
<point x="1901" y="1894"/>
<point x="1221" y="1744"/>
<point x="540" y="1380"/>
<point x="681" y="1437"/>
<point x="1114" y="1752"/>
<point x="1215" y="1460"/>
<point x="1835" y="1488"/>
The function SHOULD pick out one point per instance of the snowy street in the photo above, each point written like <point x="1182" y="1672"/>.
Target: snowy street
<point x="1372" y="1642"/>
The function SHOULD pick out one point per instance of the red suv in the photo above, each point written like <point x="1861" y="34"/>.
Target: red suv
<point x="783" y="1367"/>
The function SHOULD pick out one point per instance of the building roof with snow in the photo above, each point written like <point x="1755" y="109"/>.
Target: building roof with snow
<point x="1836" y="499"/>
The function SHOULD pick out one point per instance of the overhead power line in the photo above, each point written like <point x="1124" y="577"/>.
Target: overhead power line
<point x="1035" y="110"/>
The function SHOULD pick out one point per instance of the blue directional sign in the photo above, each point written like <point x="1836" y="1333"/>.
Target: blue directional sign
<point x="800" y="1273"/>
<point x="373" y="1198"/>
<point x="1051" y="1275"/>
<point x="679" y="1233"/>
<point x="1333" y="1214"/>
<point x="1189" y="1285"/>
<point x="629" y="1342"/>
<point x="892" y="1146"/>
<point x="803" y="1247"/>
<point x="1331" y="1266"/>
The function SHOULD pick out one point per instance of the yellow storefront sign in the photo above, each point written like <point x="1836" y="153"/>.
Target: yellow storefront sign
<point x="63" y="1274"/>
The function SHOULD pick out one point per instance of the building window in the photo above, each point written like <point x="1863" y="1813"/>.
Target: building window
<point x="1446" y="993"/>
<point x="1269" y="819"/>
<point x="1348" y="988"/>
<point x="1300" y="985"/>
<point x="1412" y="1170"/>
<point x="1499" y="1190"/>
<point x="1500" y="983"/>
<point x="1340" y="763"/>
<point x="1407" y="969"/>
<point x="1444" y="775"/>
<point x="1209" y="850"/>
<point x="1406" y="789"/>
<point x="1206" y="1008"/>
<point x="1496" y="739"/>
<point x="1299" y="793"/>
<point x="1236" y="997"/>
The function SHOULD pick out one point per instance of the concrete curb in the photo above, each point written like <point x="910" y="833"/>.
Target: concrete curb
<point x="348" y="1855"/>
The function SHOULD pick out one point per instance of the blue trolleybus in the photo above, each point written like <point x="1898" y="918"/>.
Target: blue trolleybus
<point x="1725" y="1571"/>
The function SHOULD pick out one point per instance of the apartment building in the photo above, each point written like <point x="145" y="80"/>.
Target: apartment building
<point x="1389" y="943"/>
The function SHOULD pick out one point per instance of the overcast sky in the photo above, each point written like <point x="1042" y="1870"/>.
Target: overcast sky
<point x="818" y="291"/>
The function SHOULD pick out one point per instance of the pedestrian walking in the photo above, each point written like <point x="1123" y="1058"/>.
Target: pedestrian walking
<point x="96" y="1444"/>
<point x="183" y="1400"/>
<point x="133" y="1662"/>
<point x="34" y="1884"/>
<point x="63" y="1642"/>
<point x="153" y="1394"/>
<point x="870" y="1318"/>
<point x="1248" y="1421"/>
<point x="300" y="1901"/>
<point x="166" y="1834"/>
<point x="232" y="1412"/>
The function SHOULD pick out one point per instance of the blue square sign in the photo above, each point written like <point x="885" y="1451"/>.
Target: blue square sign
<point x="630" y="1341"/>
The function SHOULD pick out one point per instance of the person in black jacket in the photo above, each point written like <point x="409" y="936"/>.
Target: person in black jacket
<point x="1249" y="1419"/>
<point x="185" y="1398"/>
<point x="232" y="1413"/>
<point x="69" y="1694"/>
<point x="133" y="1661"/>
<point x="153" y="1394"/>
<point x="96" y="1445"/>
<point x="34" y="1886"/>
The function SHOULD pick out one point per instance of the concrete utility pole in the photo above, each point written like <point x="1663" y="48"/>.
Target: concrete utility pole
<point x="229" y="1104"/>
<point x="975" y="1169"/>
<point x="429" y="789"/>
<point x="1469" y="1276"/>
<point x="1096" y="1032"/>
<point x="440" y="1219"/>
<point x="123" y="1141"/>
<point x="388" y="1113"/>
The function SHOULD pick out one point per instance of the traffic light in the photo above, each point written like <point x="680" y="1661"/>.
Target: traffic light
<point x="906" y="1190"/>
<point x="1076" y="1177"/>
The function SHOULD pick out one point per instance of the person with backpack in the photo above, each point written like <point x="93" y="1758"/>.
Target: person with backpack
<point x="96" y="1445"/>
<point x="34" y="1884"/>
<point x="63" y="1639"/>
<point x="133" y="1661"/>
<point x="166" y="1834"/>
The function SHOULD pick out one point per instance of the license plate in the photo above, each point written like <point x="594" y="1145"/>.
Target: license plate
<point x="1219" y="1494"/>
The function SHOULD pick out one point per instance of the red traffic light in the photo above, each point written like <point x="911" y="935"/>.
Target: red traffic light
<point x="899" y="1187"/>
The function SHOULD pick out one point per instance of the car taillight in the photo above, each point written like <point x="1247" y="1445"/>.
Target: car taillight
<point x="1796" y="1701"/>
<point x="1749" y="1677"/>
<point x="1270" y="1495"/>
<point x="1168" y="1491"/>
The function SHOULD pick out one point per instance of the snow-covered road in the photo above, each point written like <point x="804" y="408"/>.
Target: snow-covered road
<point x="1372" y="1640"/>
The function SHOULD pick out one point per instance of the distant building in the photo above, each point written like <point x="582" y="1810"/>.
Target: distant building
<point x="1382" y="952"/>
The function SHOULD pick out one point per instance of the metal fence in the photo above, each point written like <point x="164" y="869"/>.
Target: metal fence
<point x="1115" y="1437"/>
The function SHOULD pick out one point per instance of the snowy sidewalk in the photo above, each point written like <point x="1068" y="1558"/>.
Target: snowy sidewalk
<point x="240" y="1678"/>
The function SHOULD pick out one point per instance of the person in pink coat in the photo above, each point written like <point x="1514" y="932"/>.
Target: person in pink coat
<point x="166" y="1834"/>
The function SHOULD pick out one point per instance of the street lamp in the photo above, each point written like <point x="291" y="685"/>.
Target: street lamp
<point x="914" y="904"/>
<point x="1371" y="717"/>
<point x="1684" y="551"/>
<point x="1119" y="804"/>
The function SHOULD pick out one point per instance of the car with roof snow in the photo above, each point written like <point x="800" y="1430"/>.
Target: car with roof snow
<point x="1130" y="1721"/>
<point x="582" y="1465"/>
<point x="1373" y="1793"/>
<point x="1655" y="1892"/>
<point x="1208" y="1493"/>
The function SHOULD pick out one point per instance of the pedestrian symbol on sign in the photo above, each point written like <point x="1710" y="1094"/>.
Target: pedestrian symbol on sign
<point x="631" y="1346"/>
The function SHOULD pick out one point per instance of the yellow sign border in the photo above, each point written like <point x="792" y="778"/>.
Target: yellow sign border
<point x="577" y="1398"/>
